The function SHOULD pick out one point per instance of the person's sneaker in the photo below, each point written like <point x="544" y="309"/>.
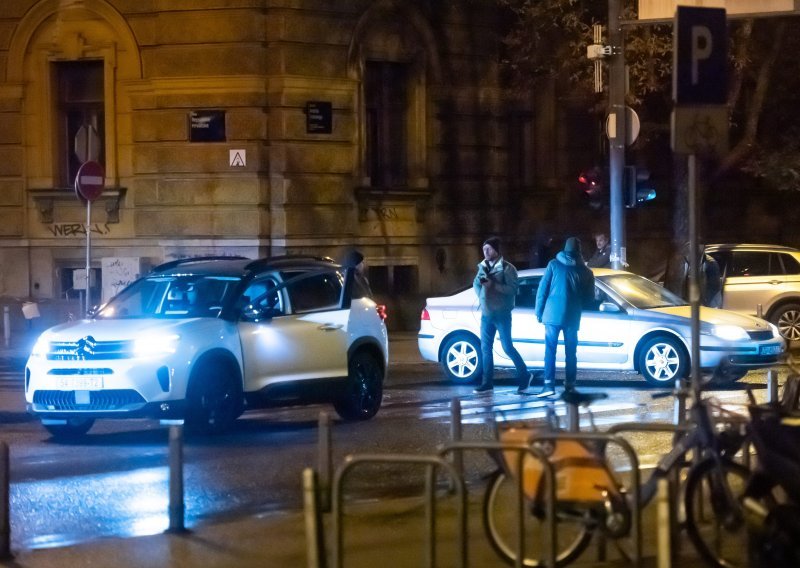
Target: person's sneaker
<point x="525" y="392"/>
<point x="547" y="390"/>
<point x="483" y="388"/>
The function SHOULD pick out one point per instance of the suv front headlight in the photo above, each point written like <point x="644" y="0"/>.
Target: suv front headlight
<point x="730" y="332"/>
<point x="153" y="345"/>
<point x="41" y="347"/>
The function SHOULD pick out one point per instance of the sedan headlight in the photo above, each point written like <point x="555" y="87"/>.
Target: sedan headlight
<point x="150" y="346"/>
<point x="729" y="332"/>
<point x="775" y="332"/>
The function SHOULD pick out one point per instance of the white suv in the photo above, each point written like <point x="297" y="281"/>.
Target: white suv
<point x="203" y="339"/>
<point x="762" y="275"/>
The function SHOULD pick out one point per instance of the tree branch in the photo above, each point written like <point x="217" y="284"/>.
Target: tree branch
<point x="744" y="147"/>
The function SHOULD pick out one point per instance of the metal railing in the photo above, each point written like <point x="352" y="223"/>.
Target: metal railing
<point x="457" y="449"/>
<point x="431" y="463"/>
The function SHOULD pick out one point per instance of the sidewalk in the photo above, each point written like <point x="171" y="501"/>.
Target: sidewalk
<point x="390" y="534"/>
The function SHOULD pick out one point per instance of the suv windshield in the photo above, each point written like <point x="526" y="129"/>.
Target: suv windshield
<point x="641" y="292"/>
<point x="178" y="296"/>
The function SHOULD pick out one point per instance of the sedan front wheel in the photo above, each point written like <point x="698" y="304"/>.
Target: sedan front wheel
<point x="662" y="360"/>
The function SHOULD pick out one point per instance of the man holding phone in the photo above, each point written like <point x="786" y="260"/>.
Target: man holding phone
<point x="496" y="285"/>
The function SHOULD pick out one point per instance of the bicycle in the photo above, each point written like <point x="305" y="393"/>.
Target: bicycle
<point x="713" y="484"/>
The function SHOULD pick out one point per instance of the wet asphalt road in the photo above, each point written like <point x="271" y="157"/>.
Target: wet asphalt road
<point x="114" y="482"/>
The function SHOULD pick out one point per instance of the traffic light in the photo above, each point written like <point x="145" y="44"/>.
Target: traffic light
<point x="637" y="187"/>
<point x="592" y="183"/>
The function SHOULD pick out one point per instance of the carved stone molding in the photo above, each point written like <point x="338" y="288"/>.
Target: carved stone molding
<point x="46" y="200"/>
<point x="372" y="197"/>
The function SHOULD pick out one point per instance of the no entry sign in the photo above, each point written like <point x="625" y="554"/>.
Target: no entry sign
<point x="90" y="180"/>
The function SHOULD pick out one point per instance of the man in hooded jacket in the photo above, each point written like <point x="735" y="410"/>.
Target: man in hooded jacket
<point x="566" y="287"/>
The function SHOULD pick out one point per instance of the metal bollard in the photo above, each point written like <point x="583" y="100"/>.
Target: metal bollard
<point x="664" y="513"/>
<point x="455" y="437"/>
<point x="325" y="461"/>
<point x="315" y="541"/>
<point x="5" y="504"/>
<point x="573" y="418"/>
<point x="176" y="504"/>
<point x="6" y="325"/>
<point x="772" y="386"/>
<point x="679" y="404"/>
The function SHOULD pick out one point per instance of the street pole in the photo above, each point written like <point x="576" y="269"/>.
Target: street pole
<point x="694" y="278"/>
<point x="88" y="255"/>
<point x="616" y="151"/>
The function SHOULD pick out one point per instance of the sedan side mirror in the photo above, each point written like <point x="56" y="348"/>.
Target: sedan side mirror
<point x="610" y="307"/>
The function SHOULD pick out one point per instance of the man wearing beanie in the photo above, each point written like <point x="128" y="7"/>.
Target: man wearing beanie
<point x="496" y="286"/>
<point x="566" y="287"/>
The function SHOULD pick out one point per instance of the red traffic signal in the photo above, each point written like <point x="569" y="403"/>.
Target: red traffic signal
<point x="594" y="186"/>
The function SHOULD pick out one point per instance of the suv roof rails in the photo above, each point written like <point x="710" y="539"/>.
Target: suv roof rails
<point x="181" y="261"/>
<point x="261" y="263"/>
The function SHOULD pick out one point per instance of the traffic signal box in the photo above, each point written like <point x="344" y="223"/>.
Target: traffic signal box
<point x="637" y="187"/>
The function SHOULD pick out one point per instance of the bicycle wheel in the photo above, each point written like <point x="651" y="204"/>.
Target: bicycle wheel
<point x="499" y="519"/>
<point x="714" y="516"/>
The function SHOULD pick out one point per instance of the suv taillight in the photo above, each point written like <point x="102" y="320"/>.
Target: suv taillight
<point x="381" y="309"/>
<point x="425" y="316"/>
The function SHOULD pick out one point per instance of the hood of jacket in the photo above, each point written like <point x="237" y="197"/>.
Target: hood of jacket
<point x="569" y="259"/>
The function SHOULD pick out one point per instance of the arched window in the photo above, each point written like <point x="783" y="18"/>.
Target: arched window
<point x="80" y="116"/>
<point x="394" y="57"/>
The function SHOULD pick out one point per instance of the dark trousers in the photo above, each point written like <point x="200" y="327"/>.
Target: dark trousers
<point x="551" y="333"/>
<point x="499" y="323"/>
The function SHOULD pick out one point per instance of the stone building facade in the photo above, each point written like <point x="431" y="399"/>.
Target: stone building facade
<point x="263" y="127"/>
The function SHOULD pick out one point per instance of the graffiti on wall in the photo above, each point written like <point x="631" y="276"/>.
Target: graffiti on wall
<point x="118" y="272"/>
<point x="78" y="229"/>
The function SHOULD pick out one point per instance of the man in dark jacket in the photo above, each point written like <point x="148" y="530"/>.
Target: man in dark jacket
<point x="602" y="256"/>
<point x="566" y="287"/>
<point x="710" y="277"/>
<point x="496" y="285"/>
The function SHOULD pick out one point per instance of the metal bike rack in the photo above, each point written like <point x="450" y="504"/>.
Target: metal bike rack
<point x="672" y="478"/>
<point x="312" y="520"/>
<point x="457" y="449"/>
<point x="5" y="522"/>
<point x="636" y="512"/>
<point x="432" y="462"/>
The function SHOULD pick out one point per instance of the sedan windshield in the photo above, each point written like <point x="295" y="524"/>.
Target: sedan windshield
<point x="178" y="296"/>
<point x="641" y="292"/>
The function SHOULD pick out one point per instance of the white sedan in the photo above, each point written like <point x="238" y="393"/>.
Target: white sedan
<point x="634" y="324"/>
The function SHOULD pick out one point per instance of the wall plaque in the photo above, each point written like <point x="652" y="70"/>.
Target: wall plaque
<point x="318" y="117"/>
<point x="207" y="126"/>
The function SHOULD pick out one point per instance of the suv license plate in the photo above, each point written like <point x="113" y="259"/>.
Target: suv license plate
<point x="92" y="382"/>
<point x="769" y="350"/>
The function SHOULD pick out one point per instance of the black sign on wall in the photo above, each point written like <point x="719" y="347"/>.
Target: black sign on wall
<point x="318" y="117"/>
<point x="207" y="126"/>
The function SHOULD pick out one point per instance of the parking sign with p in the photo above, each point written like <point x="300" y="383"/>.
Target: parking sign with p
<point x="701" y="47"/>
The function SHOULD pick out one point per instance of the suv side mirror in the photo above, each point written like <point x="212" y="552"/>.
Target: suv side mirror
<point x="253" y="314"/>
